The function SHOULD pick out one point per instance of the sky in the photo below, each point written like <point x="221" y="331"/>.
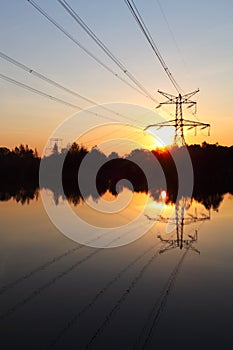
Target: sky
<point x="194" y="38"/>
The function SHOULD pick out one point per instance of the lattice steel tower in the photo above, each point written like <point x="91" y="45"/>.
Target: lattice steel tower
<point x="179" y="123"/>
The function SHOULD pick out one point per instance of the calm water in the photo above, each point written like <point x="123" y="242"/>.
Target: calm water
<point x="55" y="293"/>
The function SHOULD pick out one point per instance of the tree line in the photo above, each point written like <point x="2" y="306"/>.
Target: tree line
<point x="144" y="171"/>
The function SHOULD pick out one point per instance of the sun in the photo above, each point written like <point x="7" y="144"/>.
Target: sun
<point x="160" y="139"/>
<point x="154" y="143"/>
<point x="160" y="146"/>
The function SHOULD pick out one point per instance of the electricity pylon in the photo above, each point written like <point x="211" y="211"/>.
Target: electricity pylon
<point x="180" y="220"/>
<point x="179" y="123"/>
<point x="55" y="144"/>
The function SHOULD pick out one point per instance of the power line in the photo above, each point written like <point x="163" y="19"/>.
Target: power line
<point x="170" y="31"/>
<point x="120" y="142"/>
<point x="58" y="26"/>
<point x="176" y="45"/>
<point x="39" y="92"/>
<point x="43" y="77"/>
<point x="103" y="47"/>
<point x="179" y="122"/>
<point x="140" y="90"/>
<point x="133" y="9"/>
<point x="146" y="32"/>
<point x="51" y="97"/>
<point x="58" y="85"/>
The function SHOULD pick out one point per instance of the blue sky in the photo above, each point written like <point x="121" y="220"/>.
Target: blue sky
<point x="203" y="32"/>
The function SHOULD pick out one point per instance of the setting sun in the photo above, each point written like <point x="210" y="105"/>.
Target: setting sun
<point x="116" y="174"/>
<point x="161" y="138"/>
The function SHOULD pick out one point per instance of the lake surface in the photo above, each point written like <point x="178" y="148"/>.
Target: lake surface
<point x="156" y="292"/>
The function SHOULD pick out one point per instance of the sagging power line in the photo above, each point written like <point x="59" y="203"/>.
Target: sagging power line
<point x="38" y="92"/>
<point x="59" y="86"/>
<point x="103" y="47"/>
<point x="171" y="33"/>
<point x="139" y="87"/>
<point x="53" y="98"/>
<point x="179" y="122"/>
<point x="136" y="14"/>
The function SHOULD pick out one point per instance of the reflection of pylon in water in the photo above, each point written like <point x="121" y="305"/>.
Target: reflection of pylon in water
<point x="180" y="219"/>
<point x="180" y="242"/>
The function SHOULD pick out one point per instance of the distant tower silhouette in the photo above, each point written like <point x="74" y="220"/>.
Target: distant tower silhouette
<point x="55" y="143"/>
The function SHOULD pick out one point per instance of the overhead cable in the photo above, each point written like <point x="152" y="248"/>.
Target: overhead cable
<point x="139" y="89"/>
<point x="103" y="47"/>
<point x="51" y="97"/>
<point x="133" y="9"/>
<point x="36" y="91"/>
<point x="58" y="85"/>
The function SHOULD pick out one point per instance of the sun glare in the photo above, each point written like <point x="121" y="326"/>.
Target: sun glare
<point x="161" y="139"/>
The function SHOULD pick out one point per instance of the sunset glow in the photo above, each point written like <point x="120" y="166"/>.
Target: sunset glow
<point x="30" y="119"/>
<point x="116" y="174"/>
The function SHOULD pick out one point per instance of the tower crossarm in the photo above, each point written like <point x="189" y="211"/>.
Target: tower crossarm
<point x="189" y="95"/>
<point x="179" y="123"/>
<point x="170" y="247"/>
<point x="187" y="220"/>
<point x="168" y="96"/>
<point x="188" y="122"/>
<point x="181" y="99"/>
<point x="160" y="125"/>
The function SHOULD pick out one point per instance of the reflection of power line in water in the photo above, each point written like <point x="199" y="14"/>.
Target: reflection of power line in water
<point x="156" y="312"/>
<point x="72" y="322"/>
<point x="50" y="262"/>
<point x="180" y="220"/>
<point x="119" y="302"/>
<point x="31" y="273"/>
<point x="48" y="284"/>
<point x="42" y="267"/>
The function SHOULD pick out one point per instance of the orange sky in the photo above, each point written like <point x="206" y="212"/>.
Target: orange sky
<point x="201" y="58"/>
